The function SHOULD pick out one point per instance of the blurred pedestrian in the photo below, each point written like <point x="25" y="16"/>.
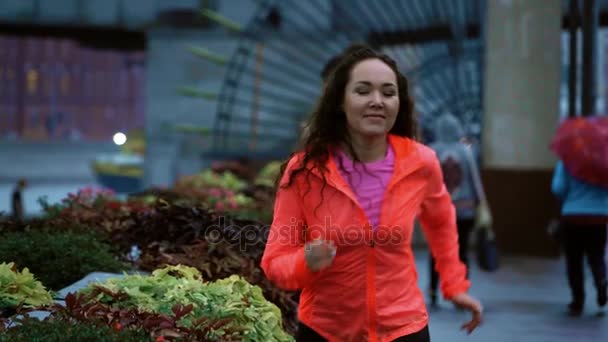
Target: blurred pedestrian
<point x="18" y="210"/>
<point x="326" y="71"/>
<point x="580" y="182"/>
<point x="458" y="175"/>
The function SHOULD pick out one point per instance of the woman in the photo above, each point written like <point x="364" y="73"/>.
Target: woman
<point x="345" y="209"/>
<point x="584" y="219"/>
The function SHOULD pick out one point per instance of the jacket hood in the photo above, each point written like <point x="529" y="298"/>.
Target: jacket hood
<point x="448" y="129"/>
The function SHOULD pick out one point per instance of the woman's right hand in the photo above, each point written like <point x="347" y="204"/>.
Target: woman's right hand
<point x="319" y="254"/>
<point x="471" y="304"/>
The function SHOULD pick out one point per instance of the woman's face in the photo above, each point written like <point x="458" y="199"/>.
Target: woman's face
<point x="371" y="99"/>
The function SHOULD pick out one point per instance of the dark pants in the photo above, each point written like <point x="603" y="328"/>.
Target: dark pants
<point x="306" y="334"/>
<point x="465" y="226"/>
<point x="581" y="241"/>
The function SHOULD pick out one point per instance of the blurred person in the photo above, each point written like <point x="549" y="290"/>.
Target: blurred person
<point x="326" y="71"/>
<point x="454" y="155"/>
<point x="345" y="209"/>
<point x="580" y="182"/>
<point x="18" y="210"/>
<point x="329" y="67"/>
<point x="584" y="218"/>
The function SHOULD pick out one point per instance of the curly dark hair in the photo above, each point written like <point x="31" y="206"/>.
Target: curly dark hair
<point x="328" y="125"/>
<point x="329" y="67"/>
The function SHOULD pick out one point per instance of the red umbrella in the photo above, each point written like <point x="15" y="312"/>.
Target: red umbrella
<point x="582" y="145"/>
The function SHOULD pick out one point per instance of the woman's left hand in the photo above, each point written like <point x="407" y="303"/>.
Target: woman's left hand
<point x="469" y="303"/>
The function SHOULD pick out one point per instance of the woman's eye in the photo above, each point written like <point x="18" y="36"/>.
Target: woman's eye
<point x="362" y="91"/>
<point x="389" y="93"/>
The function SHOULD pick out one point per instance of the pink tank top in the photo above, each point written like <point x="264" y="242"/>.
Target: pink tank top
<point x="368" y="181"/>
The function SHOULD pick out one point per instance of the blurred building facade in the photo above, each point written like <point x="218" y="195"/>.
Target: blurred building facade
<point x="54" y="89"/>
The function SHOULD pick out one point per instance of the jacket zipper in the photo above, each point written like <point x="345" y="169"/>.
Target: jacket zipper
<point x="371" y="276"/>
<point x="372" y="243"/>
<point x="371" y="286"/>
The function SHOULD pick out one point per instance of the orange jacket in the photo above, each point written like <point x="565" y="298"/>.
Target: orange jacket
<point x="370" y="292"/>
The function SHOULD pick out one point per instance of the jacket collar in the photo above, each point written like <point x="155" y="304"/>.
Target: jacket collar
<point x="407" y="160"/>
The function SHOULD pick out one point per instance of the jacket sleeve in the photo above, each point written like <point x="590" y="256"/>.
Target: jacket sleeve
<point x="438" y="221"/>
<point x="283" y="260"/>
<point x="559" y="183"/>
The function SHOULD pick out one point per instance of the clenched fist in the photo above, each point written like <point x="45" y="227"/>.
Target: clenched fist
<point x="319" y="254"/>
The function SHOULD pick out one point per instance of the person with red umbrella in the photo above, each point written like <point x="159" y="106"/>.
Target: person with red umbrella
<point x="580" y="182"/>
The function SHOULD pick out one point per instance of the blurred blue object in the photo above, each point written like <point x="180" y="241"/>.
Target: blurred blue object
<point x="120" y="184"/>
<point x="122" y="173"/>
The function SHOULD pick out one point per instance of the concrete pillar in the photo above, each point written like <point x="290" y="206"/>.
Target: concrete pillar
<point x="573" y="26"/>
<point x="521" y="112"/>
<point x="589" y="81"/>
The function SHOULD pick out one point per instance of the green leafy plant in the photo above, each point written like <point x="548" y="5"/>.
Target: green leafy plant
<point x="211" y="179"/>
<point x="21" y="288"/>
<point x="268" y="174"/>
<point x="58" y="259"/>
<point x="233" y="300"/>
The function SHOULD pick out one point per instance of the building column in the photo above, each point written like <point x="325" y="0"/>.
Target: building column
<point x="521" y="112"/>
<point x="589" y="81"/>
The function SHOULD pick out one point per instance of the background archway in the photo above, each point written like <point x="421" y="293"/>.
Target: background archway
<point x="273" y="78"/>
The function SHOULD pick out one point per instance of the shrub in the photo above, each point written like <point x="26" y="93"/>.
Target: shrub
<point x="34" y="330"/>
<point x="58" y="259"/>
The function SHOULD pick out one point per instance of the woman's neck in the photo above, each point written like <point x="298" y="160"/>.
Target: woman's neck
<point x="368" y="149"/>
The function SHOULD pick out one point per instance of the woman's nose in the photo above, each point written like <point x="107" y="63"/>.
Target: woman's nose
<point x="376" y="99"/>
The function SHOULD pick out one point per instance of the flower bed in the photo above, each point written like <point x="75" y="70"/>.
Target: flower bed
<point x="172" y="303"/>
<point x="216" y="224"/>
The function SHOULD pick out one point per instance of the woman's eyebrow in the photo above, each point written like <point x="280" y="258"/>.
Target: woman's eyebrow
<point x="387" y="84"/>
